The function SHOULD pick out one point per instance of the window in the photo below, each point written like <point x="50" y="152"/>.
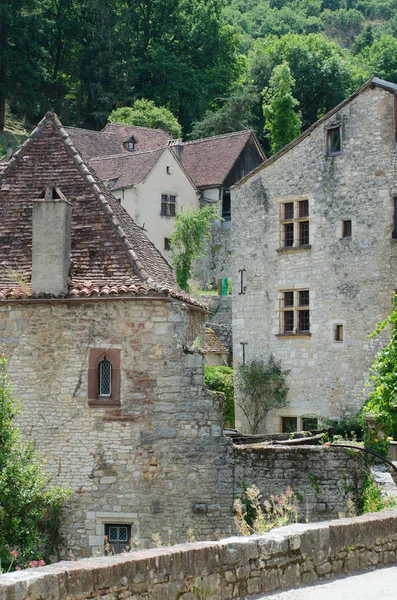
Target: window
<point x="168" y="203"/>
<point x="295" y="224"/>
<point x="346" y="229"/>
<point x="129" y="145"/>
<point x="338" y="333"/>
<point x="118" y="537"/>
<point x="168" y="170"/>
<point x="394" y="235"/>
<point x="226" y="206"/>
<point x="334" y="141"/>
<point x="289" y="424"/>
<point x="294" y="312"/>
<point x="167" y="244"/>
<point x="104" y="377"/>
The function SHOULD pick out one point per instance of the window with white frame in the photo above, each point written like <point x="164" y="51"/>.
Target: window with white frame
<point x="294" y="221"/>
<point x="168" y="205"/>
<point x="294" y="312"/>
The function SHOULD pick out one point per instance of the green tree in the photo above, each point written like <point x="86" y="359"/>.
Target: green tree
<point x="262" y="387"/>
<point x="29" y="507"/>
<point x="191" y="230"/>
<point x="220" y="379"/>
<point x="282" y="122"/>
<point x="382" y="58"/>
<point x="146" y="114"/>
<point x="236" y="114"/>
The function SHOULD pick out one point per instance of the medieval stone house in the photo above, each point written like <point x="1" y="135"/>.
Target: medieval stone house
<point x="100" y="347"/>
<point x="314" y="255"/>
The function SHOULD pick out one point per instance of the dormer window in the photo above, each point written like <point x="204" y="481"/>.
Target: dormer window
<point x="129" y="145"/>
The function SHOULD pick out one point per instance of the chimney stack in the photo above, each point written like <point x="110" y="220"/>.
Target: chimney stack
<point x="51" y="245"/>
<point x="178" y="146"/>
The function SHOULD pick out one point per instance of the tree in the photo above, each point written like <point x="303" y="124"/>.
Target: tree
<point x="192" y="228"/>
<point x="146" y="114"/>
<point x="262" y="387"/>
<point x="29" y="508"/>
<point x="235" y="115"/>
<point x="282" y="122"/>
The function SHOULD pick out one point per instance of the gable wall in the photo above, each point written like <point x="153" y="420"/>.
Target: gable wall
<point x="143" y="201"/>
<point x="350" y="281"/>
<point x="146" y="462"/>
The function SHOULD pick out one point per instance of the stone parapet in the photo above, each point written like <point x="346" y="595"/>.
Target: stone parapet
<point x="231" y="568"/>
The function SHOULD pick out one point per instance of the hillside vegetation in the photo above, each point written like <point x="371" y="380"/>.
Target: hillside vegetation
<point x="207" y="61"/>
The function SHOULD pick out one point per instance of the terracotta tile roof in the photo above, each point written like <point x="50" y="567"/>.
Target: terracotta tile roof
<point x="110" y="253"/>
<point x="110" y="141"/>
<point x="124" y="170"/>
<point x="145" y="137"/>
<point x="209" y="160"/>
<point x="213" y="343"/>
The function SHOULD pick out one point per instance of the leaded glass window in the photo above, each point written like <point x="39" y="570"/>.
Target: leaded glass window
<point x="118" y="537"/>
<point x="105" y="377"/>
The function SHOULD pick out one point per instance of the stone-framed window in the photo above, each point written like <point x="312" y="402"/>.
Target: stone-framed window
<point x="290" y="424"/>
<point x="347" y="229"/>
<point x="168" y="205"/>
<point x="117" y="537"/>
<point x="334" y="140"/>
<point x="295" y="225"/>
<point x="338" y="332"/>
<point x="104" y="377"/>
<point x="294" y="312"/>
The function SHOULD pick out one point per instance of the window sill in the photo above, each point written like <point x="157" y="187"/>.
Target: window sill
<point x="293" y="335"/>
<point x="104" y="402"/>
<point x="294" y="249"/>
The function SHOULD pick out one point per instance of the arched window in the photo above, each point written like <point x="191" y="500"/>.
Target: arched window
<point x="105" y="377"/>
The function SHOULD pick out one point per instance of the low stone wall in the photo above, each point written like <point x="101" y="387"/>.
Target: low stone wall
<point x="231" y="568"/>
<point x="327" y="481"/>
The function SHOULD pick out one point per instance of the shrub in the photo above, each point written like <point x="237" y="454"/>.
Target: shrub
<point x="252" y="515"/>
<point x="220" y="379"/>
<point x="29" y="507"/>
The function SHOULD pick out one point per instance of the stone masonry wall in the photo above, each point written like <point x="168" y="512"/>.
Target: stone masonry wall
<point x="158" y="461"/>
<point x="216" y="262"/>
<point x="231" y="568"/>
<point x="323" y="479"/>
<point x="350" y="280"/>
<point x="220" y="319"/>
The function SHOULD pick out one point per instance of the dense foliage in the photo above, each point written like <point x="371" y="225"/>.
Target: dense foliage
<point x="29" y="507"/>
<point x="220" y="379"/>
<point x="207" y="61"/>
<point x="145" y="113"/>
<point x="262" y="386"/>
<point x="192" y="228"/>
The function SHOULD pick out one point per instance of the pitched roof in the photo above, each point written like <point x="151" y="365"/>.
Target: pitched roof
<point x="213" y="343"/>
<point x="110" y="141"/>
<point x="372" y="82"/>
<point x="145" y="137"/>
<point x="124" y="170"/>
<point x="209" y="160"/>
<point x="110" y="253"/>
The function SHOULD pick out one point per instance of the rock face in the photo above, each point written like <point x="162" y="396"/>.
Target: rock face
<point x="313" y="227"/>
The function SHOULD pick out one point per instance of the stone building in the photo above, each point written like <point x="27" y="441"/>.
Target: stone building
<point x="101" y="351"/>
<point x="314" y="256"/>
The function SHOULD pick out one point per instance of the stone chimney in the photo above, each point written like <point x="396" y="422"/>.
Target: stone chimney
<point x="178" y="147"/>
<point x="10" y="150"/>
<point x="51" y="243"/>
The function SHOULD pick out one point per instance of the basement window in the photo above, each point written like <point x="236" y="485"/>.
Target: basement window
<point x="117" y="537"/>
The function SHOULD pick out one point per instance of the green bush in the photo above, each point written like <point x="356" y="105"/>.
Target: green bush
<point x="220" y="379"/>
<point x="29" y="507"/>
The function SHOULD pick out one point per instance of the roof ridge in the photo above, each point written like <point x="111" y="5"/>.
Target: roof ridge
<point x="128" y="154"/>
<point x="137" y="126"/>
<point x="217" y="137"/>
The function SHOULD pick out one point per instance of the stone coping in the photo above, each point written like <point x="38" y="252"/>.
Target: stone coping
<point x="230" y="568"/>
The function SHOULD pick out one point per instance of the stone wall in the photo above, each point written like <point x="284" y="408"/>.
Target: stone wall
<point x="231" y="568"/>
<point x="216" y="262"/>
<point x="220" y="319"/>
<point x="323" y="479"/>
<point x="350" y="280"/>
<point x="158" y="461"/>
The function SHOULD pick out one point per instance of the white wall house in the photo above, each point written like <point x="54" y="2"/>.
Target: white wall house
<point x="152" y="186"/>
